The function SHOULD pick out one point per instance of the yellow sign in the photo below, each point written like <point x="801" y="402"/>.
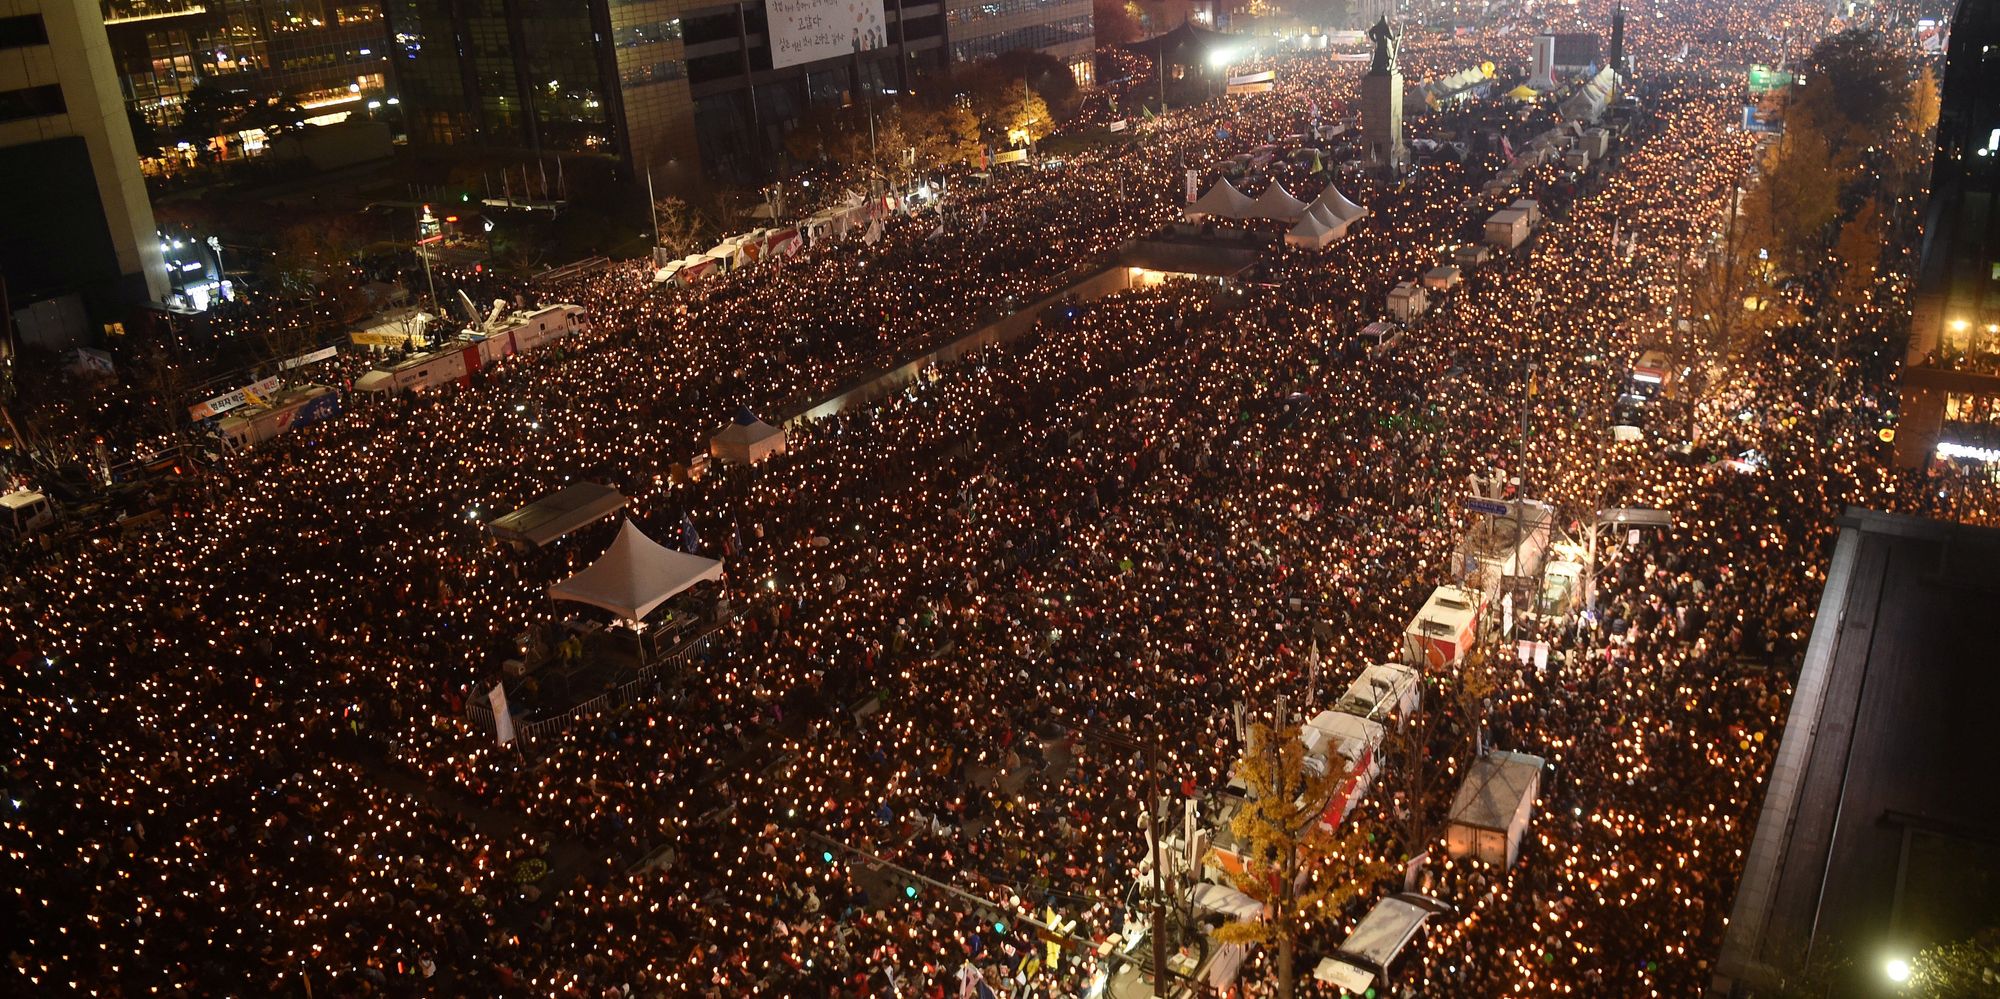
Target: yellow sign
<point x="1888" y="435"/>
<point x="1057" y="926"/>
<point x="378" y="338"/>
<point x="1486" y="69"/>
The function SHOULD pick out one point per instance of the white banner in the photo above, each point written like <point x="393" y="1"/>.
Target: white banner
<point x="230" y="400"/>
<point x="503" y="720"/>
<point x="811" y="30"/>
<point x="309" y="357"/>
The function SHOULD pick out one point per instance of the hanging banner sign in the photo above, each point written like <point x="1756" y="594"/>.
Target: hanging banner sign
<point x="812" y="30"/>
<point x="231" y="400"/>
<point x="310" y="357"/>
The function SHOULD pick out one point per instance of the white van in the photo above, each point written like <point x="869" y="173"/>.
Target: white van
<point x="1381" y="337"/>
<point x="24" y="512"/>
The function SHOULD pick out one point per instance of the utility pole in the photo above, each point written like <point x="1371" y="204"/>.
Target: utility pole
<point x="653" y="204"/>
<point x="874" y="157"/>
<point x="1521" y="473"/>
<point x="1153" y="820"/>
<point x="1156" y="822"/>
<point x="423" y="251"/>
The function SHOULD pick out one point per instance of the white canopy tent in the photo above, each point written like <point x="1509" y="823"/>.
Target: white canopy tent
<point x="1318" y="228"/>
<point x="746" y="440"/>
<point x="1335" y="202"/>
<point x="635" y="575"/>
<point x="1277" y="204"/>
<point x="1222" y="201"/>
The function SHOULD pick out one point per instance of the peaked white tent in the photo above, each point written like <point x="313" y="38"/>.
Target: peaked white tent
<point x="1277" y="204"/>
<point x="1222" y="201"/>
<point x="746" y="440"/>
<point x="635" y="575"/>
<point x="1337" y="204"/>
<point x="1317" y="229"/>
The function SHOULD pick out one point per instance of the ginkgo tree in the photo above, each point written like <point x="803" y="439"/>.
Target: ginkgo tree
<point x="1303" y="872"/>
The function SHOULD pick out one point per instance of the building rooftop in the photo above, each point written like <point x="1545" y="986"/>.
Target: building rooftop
<point x="1873" y="839"/>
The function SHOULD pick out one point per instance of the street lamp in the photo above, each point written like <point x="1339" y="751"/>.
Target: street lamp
<point x="1897" y="969"/>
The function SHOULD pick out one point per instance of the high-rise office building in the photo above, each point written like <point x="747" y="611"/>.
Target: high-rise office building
<point x="328" y="57"/>
<point x="79" y="233"/>
<point x="980" y="29"/>
<point x="1951" y="376"/>
<point x="684" y="87"/>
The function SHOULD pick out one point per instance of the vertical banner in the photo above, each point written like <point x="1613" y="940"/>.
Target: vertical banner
<point x="1192" y="177"/>
<point x="503" y="720"/>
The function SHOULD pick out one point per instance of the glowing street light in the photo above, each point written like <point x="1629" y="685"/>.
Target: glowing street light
<point x="1897" y="969"/>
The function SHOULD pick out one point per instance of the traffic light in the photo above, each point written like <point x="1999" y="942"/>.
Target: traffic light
<point x="826" y="855"/>
<point x="910" y="891"/>
<point x="999" y="927"/>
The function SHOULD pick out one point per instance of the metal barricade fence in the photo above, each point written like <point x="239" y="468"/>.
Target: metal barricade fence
<point x="631" y="692"/>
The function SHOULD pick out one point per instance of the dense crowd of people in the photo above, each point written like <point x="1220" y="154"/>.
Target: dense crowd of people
<point x="974" y="624"/>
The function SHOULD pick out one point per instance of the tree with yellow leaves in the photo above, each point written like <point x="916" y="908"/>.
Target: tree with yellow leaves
<point x="1924" y="106"/>
<point x="1300" y="870"/>
<point x="1858" y="252"/>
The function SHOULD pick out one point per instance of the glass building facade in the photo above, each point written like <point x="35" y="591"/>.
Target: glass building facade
<point x="981" y="29"/>
<point x="329" y="56"/>
<point x="1951" y="374"/>
<point x="681" y="88"/>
